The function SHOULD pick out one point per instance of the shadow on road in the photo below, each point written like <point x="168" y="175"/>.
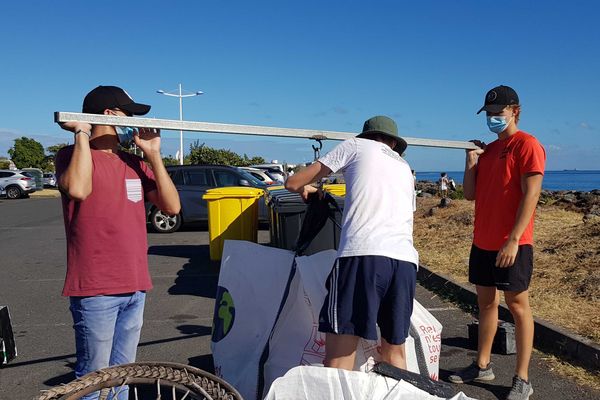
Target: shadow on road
<point x="190" y="331"/>
<point x="64" y="378"/>
<point x="461" y="342"/>
<point x="199" y="276"/>
<point x="497" y="391"/>
<point x="204" y="362"/>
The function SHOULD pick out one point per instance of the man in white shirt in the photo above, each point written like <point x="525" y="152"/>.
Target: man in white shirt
<point x="373" y="280"/>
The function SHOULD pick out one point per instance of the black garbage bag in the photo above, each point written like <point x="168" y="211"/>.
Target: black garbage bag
<point x="436" y="388"/>
<point x="8" y="349"/>
<point x="318" y="211"/>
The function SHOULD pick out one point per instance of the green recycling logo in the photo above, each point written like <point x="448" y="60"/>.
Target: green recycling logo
<point x="224" y="315"/>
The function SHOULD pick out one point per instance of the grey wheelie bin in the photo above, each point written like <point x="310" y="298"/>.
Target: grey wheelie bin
<point x="287" y="214"/>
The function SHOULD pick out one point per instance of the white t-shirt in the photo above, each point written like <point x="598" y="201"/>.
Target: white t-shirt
<point x="443" y="183"/>
<point x="380" y="200"/>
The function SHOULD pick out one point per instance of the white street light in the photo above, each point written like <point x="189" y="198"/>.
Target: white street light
<point x="181" y="96"/>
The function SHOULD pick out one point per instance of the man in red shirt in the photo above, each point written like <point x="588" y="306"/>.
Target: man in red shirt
<point x="505" y="180"/>
<point x="103" y="192"/>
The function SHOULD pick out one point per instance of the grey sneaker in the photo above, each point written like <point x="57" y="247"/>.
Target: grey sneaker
<point x="473" y="373"/>
<point x="521" y="389"/>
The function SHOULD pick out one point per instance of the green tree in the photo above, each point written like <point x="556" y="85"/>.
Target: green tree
<point x="27" y="153"/>
<point x="52" y="150"/>
<point x="252" y="161"/>
<point x="4" y="163"/>
<point x="170" y="160"/>
<point x="202" y="154"/>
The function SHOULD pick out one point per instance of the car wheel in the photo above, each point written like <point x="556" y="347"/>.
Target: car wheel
<point x="163" y="223"/>
<point x="13" y="192"/>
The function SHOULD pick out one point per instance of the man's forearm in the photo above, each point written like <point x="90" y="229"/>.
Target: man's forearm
<point x="168" y="198"/>
<point x="313" y="173"/>
<point x="469" y="177"/>
<point x="76" y="180"/>
<point x="525" y="211"/>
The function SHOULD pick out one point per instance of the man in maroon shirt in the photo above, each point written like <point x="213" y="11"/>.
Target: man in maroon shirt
<point x="103" y="193"/>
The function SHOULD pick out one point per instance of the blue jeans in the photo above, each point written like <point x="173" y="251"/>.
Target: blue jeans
<point x="107" y="331"/>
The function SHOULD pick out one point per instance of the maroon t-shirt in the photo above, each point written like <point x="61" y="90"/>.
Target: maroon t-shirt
<point x="106" y="233"/>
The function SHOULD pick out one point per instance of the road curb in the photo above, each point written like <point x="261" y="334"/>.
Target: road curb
<point x="46" y="193"/>
<point x="548" y="337"/>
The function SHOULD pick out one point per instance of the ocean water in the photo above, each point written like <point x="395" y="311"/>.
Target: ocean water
<point x="583" y="181"/>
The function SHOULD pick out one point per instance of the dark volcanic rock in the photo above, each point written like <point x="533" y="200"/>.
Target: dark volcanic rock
<point x="584" y="202"/>
<point x="445" y="202"/>
<point x="427" y="187"/>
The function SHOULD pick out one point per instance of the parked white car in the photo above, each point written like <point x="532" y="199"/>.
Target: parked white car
<point x="261" y="174"/>
<point x="277" y="174"/>
<point x="16" y="183"/>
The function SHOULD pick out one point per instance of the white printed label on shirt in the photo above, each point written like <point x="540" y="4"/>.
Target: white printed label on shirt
<point x="134" y="189"/>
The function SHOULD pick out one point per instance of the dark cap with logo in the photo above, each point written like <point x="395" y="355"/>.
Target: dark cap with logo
<point x="498" y="98"/>
<point x="108" y="97"/>
<point x="385" y="126"/>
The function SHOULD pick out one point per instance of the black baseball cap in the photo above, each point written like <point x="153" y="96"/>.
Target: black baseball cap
<point x="498" y="98"/>
<point x="104" y="97"/>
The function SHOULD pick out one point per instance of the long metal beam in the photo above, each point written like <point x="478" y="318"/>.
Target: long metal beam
<point x="211" y="127"/>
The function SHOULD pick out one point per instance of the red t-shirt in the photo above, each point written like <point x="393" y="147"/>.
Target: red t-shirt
<point x="498" y="188"/>
<point x="106" y="233"/>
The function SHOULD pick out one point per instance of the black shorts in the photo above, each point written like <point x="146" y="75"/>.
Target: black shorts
<point x="366" y="291"/>
<point x="483" y="270"/>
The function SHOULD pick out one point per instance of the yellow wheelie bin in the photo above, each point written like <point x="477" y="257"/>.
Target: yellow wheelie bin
<point x="232" y="214"/>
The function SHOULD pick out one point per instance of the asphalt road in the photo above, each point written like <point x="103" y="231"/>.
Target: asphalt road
<point x="178" y="315"/>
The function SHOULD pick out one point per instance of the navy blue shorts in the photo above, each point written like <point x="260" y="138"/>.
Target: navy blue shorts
<point x="367" y="290"/>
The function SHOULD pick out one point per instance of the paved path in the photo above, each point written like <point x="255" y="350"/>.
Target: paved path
<point x="178" y="313"/>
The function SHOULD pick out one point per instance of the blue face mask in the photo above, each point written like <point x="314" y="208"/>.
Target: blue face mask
<point x="497" y="124"/>
<point x="125" y="135"/>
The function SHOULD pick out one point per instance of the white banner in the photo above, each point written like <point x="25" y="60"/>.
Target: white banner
<point x="252" y="285"/>
<point x="252" y="281"/>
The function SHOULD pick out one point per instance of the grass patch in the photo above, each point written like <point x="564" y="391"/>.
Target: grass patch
<point x="565" y="287"/>
<point x="580" y="375"/>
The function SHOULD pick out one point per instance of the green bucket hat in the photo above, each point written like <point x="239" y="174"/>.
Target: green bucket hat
<point x="385" y="126"/>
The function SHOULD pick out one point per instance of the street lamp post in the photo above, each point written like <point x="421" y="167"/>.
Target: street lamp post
<point x="181" y="96"/>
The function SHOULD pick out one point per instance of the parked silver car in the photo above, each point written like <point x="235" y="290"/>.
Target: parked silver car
<point x="16" y="183"/>
<point x="49" y="179"/>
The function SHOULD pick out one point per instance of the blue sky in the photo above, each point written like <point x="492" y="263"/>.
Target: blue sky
<point x="311" y="64"/>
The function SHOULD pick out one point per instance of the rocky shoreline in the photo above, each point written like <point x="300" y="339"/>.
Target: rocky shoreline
<point x="587" y="203"/>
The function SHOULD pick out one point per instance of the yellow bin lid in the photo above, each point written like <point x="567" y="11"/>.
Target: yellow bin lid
<point x="232" y="192"/>
<point x="338" y="189"/>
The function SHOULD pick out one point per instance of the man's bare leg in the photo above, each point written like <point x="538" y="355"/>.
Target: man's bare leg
<point x="518" y="303"/>
<point x="340" y="351"/>
<point x="488" y="300"/>
<point x="393" y="354"/>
